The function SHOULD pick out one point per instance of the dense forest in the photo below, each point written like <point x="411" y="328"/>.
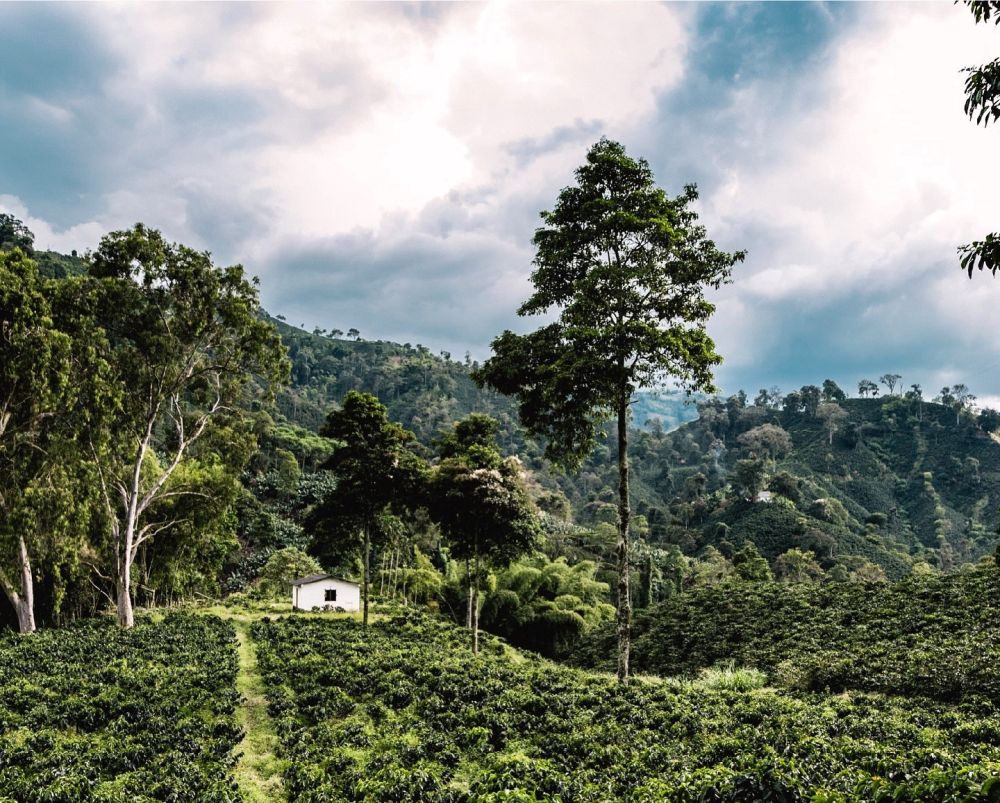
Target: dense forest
<point x="804" y="486"/>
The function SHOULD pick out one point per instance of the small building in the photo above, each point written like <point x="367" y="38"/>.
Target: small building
<point x="325" y="591"/>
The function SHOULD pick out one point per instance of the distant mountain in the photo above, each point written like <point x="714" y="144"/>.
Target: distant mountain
<point x="900" y="481"/>
<point x="670" y="408"/>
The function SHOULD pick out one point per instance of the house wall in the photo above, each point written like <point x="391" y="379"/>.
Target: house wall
<point x="313" y="595"/>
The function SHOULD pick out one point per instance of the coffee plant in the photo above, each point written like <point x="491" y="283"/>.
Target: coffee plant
<point x="402" y="712"/>
<point x="96" y="713"/>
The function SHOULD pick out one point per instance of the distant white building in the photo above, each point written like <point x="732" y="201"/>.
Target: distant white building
<point x="325" y="591"/>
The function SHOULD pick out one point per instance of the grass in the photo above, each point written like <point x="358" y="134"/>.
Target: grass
<point x="730" y="677"/>
<point x="258" y="771"/>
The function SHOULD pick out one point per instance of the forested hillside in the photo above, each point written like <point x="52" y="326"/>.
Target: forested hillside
<point x="805" y="486"/>
<point x="889" y="480"/>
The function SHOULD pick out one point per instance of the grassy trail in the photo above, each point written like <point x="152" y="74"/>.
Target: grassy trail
<point x="258" y="772"/>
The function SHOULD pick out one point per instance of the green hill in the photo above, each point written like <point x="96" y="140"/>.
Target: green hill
<point x="898" y="483"/>
<point x="930" y="636"/>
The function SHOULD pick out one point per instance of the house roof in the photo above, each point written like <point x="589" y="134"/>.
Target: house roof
<point x="315" y="578"/>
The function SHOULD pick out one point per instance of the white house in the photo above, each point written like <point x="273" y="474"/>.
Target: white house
<point x="325" y="591"/>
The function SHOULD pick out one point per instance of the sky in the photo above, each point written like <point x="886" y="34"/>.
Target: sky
<point x="382" y="166"/>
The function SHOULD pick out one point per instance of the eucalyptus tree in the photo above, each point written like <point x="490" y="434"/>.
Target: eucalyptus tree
<point x="867" y="388"/>
<point x="890" y="381"/>
<point x="187" y="342"/>
<point x="375" y="470"/>
<point x="35" y="388"/>
<point x="961" y="400"/>
<point x="623" y="268"/>
<point x="833" y="416"/>
<point x="54" y="394"/>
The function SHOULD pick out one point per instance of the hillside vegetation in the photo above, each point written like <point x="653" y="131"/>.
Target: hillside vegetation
<point x="899" y="482"/>
<point x="925" y="636"/>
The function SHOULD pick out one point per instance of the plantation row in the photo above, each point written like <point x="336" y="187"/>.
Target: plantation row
<point x="934" y="636"/>
<point x="94" y="712"/>
<point x="404" y="713"/>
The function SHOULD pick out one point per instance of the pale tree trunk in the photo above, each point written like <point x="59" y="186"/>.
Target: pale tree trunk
<point x="22" y="599"/>
<point x="126" y="615"/>
<point x="468" y="605"/>
<point x="475" y="609"/>
<point x="622" y="548"/>
<point x="127" y="534"/>
<point x="367" y="557"/>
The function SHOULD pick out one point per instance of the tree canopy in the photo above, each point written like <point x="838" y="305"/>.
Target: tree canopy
<point x="374" y="469"/>
<point x="186" y="341"/>
<point x="480" y="503"/>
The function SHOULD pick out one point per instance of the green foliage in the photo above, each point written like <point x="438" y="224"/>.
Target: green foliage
<point x="927" y="635"/>
<point x="982" y="105"/>
<point x="283" y="567"/>
<point x="186" y="345"/>
<point x="374" y="469"/>
<point x="625" y="267"/>
<point x="92" y="712"/>
<point x="14" y="234"/>
<point x="797" y="566"/>
<point x="546" y="605"/>
<point x="403" y="713"/>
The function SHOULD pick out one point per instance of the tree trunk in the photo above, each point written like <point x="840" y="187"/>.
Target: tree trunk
<point x="468" y="604"/>
<point x="475" y="610"/>
<point x="624" y="513"/>
<point x="364" y="579"/>
<point x="126" y="616"/>
<point x="23" y="599"/>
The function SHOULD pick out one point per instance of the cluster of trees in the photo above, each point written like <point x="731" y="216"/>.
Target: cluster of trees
<point x="123" y="415"/>
<point x="474" y="496"/>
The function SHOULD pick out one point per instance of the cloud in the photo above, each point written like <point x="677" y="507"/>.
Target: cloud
<point x="382" y="166"/>
<point x="852" y="207"/>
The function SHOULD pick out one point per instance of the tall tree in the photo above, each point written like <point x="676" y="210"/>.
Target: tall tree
<point x="35" y="390"/>
<point x="890" y="381"/>
<point x="832" y="391"/>
<point x="374" y="468"/>
<point x="187" y="342"/>
<point x="14" y="234"/>
<point x="625" y="268"/>
<point x="982" y="104"/>
<point x="961" y="399"/>
<point x="478" y="500"/>
<point x="867" y="388"/>
<point x="767" y="440"/>
<point x="833" y="416"/>
<point x="810" y="395"/>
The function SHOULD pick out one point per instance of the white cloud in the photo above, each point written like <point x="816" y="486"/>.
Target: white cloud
<point x="47" y="238"/>
<point x="857" y="195"/>
<point x="379" y="110"/>
<point x="877" y="169"/>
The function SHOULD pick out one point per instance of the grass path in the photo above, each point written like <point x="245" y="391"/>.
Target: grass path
<point x="258" y="771"/>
